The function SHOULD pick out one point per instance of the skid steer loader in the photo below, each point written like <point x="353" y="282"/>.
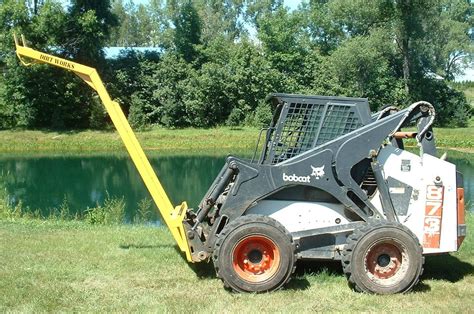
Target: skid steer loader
<point x="332" y="182"/>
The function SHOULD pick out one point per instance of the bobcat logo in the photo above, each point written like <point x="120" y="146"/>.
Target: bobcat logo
<point x="318" y="172"/>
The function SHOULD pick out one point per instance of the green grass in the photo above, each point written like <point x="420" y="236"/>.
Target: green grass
<point x="462" y="138"/>
<point x="196" y="141"/>
<point x="216" y="141"/>
<point x="76" y="267"/>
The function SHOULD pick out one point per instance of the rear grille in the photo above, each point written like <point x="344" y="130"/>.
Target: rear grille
<point x="305" y="123"/>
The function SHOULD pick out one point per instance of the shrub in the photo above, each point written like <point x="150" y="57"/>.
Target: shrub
<point x="263" y="115"/>
<point x="112" y="212"/>
<point x="235" y="118"/>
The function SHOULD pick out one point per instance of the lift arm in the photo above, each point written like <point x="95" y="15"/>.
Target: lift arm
<point x="173" y="217"/>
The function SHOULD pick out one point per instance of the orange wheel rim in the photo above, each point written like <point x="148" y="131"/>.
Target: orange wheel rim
<point x="256" y="258"/>
<point x="385" y="261"/>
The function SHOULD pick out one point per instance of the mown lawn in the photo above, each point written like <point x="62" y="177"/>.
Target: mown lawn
<point x="196" y="141"/>
<point x="221" y="140"/>
<point x="73" y="266"/>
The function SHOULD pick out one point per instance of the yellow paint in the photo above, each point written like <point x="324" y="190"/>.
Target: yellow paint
<point x="173" y="217"/>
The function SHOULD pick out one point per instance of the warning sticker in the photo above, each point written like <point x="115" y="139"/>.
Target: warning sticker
<point x="406" y="165"/>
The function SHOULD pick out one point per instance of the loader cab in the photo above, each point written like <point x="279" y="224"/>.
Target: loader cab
<point x="303" y="122"/>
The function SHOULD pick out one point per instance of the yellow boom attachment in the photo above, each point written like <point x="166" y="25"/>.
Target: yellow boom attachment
<point x="173" y="216"/>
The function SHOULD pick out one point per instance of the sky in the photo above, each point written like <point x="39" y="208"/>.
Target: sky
<point x="468" y="75"/>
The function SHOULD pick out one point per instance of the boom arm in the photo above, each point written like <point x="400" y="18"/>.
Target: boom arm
<point x="173" y="217"/>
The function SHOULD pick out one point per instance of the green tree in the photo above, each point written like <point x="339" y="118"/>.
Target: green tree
<point x="161" y="92"/>
<point x="134" y="25"/>
<point x="212" y="69"/>
<point x="253" y="78"/>
<point x="222" y="18"/>
<point x="89" y="27"/>
<point x="256" y="9"/>
<point x="38" y="96"/>
<point x="44" y="96"/>
<point x="324" y="32"/>
<point x="120" y="34"/>
<point x="285" y="45"/>
<point x="420" y="38"/>
<point x="161" y="34"/>
<point x="453" y="48"/>
<point x="187" y="31"/>
<point x="362" y="68"/>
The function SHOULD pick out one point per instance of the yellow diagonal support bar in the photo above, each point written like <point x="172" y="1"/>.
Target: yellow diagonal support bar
<point x="173" y="217"/>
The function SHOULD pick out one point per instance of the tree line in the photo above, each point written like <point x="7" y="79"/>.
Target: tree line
<point x="216" y="61"/>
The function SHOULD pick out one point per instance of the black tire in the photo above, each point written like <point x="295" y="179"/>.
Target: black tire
<point x="254" y="253"/>
<point x="383" y="258"/>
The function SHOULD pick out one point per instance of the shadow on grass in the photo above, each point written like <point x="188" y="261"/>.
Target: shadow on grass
<point x="143" y="246"/>
<point x="203" y="270"/>
<point x="421" y="287"/>
<point x="207" y="271"/>
<point x="332" y="268"/>
<point x="304" y="268"/>
<point x="297" y="283"/>
<point x="446" y="267"/>
<point x="62" y="131"/>
<point x="441" y="267"/>
<point x="438" y="267"/>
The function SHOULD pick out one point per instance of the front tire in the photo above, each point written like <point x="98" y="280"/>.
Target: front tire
<point x="383" y="258"/>
<point x="254" y="253"/>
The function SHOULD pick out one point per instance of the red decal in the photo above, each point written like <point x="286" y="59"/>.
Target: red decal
<point x="433" y="216"/>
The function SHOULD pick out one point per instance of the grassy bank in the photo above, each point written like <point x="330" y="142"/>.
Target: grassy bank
<point x="208" y="141"/>
<point x="73" y="266"/>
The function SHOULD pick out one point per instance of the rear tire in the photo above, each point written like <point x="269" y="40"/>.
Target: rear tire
<point x="383" y="258"/>
<point x="254" y="253"/>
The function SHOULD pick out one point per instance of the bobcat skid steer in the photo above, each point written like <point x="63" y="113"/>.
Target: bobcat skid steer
<point x="333" y="182"/>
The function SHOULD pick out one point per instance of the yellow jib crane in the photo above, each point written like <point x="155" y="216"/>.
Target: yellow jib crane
<point x="173" y="216"/>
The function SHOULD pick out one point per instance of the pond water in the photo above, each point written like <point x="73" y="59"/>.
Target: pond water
<point x="47" y="182"/>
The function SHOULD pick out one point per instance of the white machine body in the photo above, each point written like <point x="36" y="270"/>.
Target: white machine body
<point x="432" y="209"/>
<point x="423" y="190"/>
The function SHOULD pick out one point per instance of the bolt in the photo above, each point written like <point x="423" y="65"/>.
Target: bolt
<point x="202" y="255"/>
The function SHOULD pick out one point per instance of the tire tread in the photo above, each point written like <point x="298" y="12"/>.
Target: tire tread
<point x="246" y="220"/>
<point x="353" y="240"/>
